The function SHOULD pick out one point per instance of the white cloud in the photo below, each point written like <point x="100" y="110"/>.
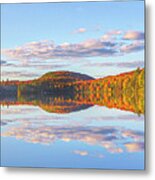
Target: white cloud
<point x="110" y="44"/>
<point x="133" y="35"/>
<point x="132" y="47"/>
<point x="80" y="30"/>
<point x="111" y="35"/>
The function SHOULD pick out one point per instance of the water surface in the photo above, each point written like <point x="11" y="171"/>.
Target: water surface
<point x="95" y="137"/>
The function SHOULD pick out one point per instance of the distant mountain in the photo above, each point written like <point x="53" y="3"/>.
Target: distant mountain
<point x="64" y="76"/>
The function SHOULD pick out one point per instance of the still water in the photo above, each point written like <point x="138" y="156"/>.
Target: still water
<point x="92" y="137"/>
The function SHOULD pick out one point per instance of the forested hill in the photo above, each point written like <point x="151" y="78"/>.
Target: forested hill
<point x="64" y="76"/>
<point x="55" y="77"/>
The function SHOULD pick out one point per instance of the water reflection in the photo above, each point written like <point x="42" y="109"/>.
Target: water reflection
<point x="100" y="128"/>
<point x="113" y="139"/>
<point x="67" y="104"/>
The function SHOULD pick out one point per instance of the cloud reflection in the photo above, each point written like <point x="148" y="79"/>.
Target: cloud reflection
<point x="113" y="139"/>
<point x="134" y="147"/>
<point x="86" y="153"/>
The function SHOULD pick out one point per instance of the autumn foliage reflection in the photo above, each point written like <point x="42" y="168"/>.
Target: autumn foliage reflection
<point x="64" y="92"/>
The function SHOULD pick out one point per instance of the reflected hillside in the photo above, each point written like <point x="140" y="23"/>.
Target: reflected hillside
<point x="65" y="92"/>
<point x="47" y="103"/>
<point x="52" y="104"/>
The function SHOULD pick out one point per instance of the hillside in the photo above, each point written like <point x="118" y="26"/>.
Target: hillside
<point x="64" y="76"/>
<point x="53" y="83"/>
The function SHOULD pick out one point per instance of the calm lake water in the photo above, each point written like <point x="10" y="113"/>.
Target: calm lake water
<point x="95" y="137"/>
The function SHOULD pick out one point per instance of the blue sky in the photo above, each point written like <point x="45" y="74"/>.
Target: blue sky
<point x="95" y="38"/>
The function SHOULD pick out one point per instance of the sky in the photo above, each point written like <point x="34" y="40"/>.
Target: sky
<point x="93" y="38"/>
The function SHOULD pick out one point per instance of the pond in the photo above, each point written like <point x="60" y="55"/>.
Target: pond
<point x="90" y="137"/>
